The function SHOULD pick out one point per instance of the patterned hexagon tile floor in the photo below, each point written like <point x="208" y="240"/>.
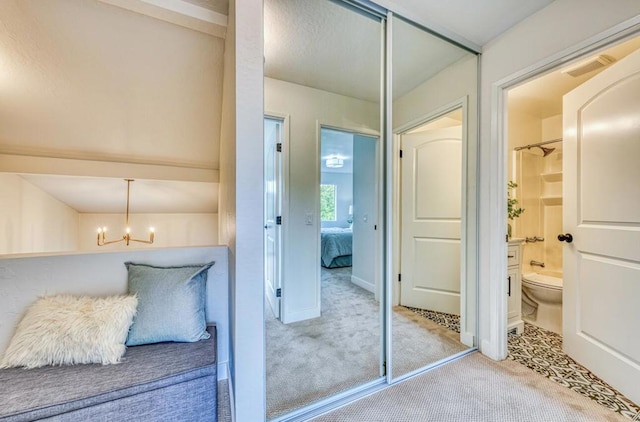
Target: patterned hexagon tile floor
<point x="541" y="351"/>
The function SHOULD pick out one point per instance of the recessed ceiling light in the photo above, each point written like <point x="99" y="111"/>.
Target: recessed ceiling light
<point x="334" y="162"/>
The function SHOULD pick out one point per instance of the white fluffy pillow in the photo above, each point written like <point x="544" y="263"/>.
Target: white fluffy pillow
<point x="66" y="330"/>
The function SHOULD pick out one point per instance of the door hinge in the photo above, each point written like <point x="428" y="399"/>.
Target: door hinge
<point x="279" y="220"/>
<point x="400" y="153"/>
<point x="279" y="147"/>
<point x="400" y="277"/>
<point x="278" y="292"/>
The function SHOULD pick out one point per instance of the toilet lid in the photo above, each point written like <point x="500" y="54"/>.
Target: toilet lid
<point x="543" y="281"/>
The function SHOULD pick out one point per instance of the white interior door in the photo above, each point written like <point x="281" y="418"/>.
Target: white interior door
<point x="601" y="293"/>
<point x="431" y="208"/>
<point x="273" y="205"/>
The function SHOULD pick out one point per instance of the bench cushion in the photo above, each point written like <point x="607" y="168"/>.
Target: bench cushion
<point x="29" y="394"/>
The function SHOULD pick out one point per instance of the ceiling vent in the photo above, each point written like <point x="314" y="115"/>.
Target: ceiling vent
<point x="594" y="63"/>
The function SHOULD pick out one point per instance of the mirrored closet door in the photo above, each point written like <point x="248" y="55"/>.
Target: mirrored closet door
<point x="434" y="92"/>
<point x="351" y="218"/>
<point x="323" y="79"/>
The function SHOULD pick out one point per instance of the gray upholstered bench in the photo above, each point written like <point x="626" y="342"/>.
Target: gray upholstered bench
<point x="155" y="382"/>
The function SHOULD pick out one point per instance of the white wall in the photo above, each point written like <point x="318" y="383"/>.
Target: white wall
<point x="523" y="129"/>
<point x="552" y="129"/>
<point x="172" y="230"/>
<point x="552" y="33"/>
<point x="32" y="220"/>
<point x="23" y="279"/>
<point x="307" y="108"/>
<point x="456" y="81"/>
<point x="244" y="216"/>
<point x="227" y="185"/>
<point x="365" y="212"/>
<point x="538" y="219"/>
<point x="344" y="187"/>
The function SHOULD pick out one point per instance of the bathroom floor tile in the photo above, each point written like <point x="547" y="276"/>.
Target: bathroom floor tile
<point x="449" y="321"/>
<point x="541" y="351"/>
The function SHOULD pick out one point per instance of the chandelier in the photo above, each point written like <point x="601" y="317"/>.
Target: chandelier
<point x="126" y="238"/>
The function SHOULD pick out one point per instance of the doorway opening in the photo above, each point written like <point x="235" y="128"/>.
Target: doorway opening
<point x="569" y="140"/>
<point x="349" y="203"/>
<point x="273" y="198"/>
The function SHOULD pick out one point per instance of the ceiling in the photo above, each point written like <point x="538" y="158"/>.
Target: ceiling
<point x="107" y="195"/>
<point x="86" y="80"/>
<point x="316" y="44"/>
<point x="542" y="97"/>
<point x="308" y="42"/>
<point x="320" y="44"/>
<point x="220" y="6"/>
<point x="338" y="144"/>
<point x="478" y="21"/>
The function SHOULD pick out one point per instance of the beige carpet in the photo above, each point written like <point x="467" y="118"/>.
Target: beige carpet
<point x="313" y="359"/>
<point x="418" y="341"/>
<point x="475" y="389"/>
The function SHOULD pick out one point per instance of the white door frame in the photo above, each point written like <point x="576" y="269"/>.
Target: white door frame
<point x="495" y="342"/>
<point x="466" y="333"/>
<point x="284" y="197"/>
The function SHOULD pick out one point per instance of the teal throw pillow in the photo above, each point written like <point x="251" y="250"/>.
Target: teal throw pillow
<point x="171" y="303"/>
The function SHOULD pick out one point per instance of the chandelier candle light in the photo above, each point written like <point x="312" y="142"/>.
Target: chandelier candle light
<point x="126" y="238"/>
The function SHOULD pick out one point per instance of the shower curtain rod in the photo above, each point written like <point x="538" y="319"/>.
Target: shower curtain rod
<point x="553" y="141"/>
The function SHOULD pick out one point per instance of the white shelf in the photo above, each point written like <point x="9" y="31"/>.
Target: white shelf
<point x="552" y="177"/>
<point x="552" y="200"/>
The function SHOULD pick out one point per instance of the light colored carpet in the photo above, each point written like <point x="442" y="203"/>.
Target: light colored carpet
<point x="474" y="389"/>
<point x="313" y="359"/>
<point x="418" y="341"/>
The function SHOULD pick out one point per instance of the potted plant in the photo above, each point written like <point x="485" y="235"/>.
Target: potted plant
<point x="513" y="210"/>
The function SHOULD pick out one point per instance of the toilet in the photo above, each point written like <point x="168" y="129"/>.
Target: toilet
<point x="544" y="293"/>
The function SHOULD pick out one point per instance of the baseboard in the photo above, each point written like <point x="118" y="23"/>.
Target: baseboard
<point x="223" y="370"/>
<point x="489" y="351"/>
<point x="363" y="283"/>
<point x="518" y="326"/>
<point x="467" y="339"/>
<point x="301" y="315"/>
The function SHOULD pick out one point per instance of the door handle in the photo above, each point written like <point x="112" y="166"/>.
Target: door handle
<point x="568" y="237"/>
<point x="509" y="290"/>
